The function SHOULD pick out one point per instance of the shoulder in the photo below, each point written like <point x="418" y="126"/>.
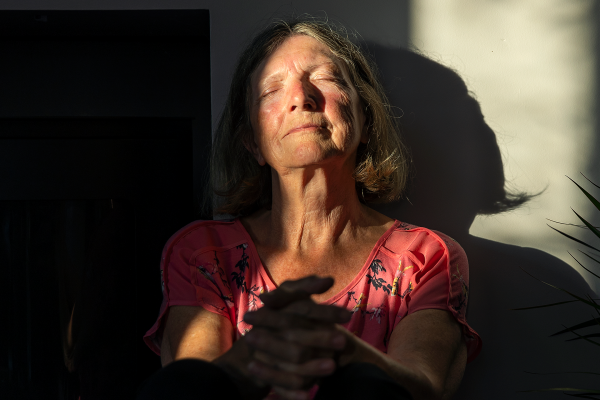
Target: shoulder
<point x="427" y="242"/>
<point x="207" y="235"/>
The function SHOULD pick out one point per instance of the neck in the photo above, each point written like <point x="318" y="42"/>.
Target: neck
<point x="314" y="209"/>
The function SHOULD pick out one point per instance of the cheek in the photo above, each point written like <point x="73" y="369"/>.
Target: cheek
<point x="345" y="112"/>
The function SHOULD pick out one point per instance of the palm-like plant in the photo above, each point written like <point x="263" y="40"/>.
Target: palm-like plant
<point x="586" y="299"/>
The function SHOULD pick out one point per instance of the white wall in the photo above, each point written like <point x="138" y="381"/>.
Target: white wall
<point x="533" y="67"/>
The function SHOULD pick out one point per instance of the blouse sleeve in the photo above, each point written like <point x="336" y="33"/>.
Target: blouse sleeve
<point x="443" y="283"/>
<point x="183" y="282"/>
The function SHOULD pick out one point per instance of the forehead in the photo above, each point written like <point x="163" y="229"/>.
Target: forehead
<point x="297" y="52"/>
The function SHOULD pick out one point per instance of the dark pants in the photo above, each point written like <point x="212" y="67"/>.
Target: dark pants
<point x="200" y="380"/>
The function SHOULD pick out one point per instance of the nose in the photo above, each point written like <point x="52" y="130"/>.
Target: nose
<point x="302" y="97"/>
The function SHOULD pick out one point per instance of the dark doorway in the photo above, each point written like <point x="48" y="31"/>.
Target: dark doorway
<point x="104" y="143"/>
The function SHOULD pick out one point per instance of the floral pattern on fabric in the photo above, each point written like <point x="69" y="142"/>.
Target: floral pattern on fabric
<point x="214" y="264"/>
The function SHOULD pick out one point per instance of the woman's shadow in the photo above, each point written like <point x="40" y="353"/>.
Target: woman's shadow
<point x="458" y="174"/>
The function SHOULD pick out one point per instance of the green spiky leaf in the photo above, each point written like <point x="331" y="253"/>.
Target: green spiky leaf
<point x="566" y="291"/>
<point x="545" y="305"/>
<point x="590" y="227"/>
<point x="582" y="325"/>
<point x="583" y="395"/>
<point x="565" y="372"/>
<point x="589" y="180"/>
<point x="589" y="196"/>
<point x="598" y="261"/>
<point x="575" y="239"/>
<point x="597" y="276"/>
<point x="588" y="391"/>
<point x="584" y="336"/>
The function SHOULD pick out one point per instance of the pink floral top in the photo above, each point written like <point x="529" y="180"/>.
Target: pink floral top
<point x="214" y="264"/>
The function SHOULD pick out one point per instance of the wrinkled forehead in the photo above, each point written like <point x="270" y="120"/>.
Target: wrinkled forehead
<point x="302" y="51"/>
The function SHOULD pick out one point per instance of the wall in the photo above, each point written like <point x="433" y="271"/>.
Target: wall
<point x="232" y="22"/>
<point x="534" y="70"/>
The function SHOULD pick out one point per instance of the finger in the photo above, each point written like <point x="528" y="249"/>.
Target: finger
<point x="278" y="378"/>
<point x="319" y="339"/>
<point x="261" y="340"/>
<point x="288" y="394"/>
<point x="319" y="367"/>
<point x="291" y="291"/>
<point x="278" y="320"/>
<point x="319" y="312"/>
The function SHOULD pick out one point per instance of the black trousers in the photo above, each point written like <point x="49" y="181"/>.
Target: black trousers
<point x="200" y="380"/>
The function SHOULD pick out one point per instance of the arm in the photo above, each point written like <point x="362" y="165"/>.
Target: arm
<point x="193" y="332"/>
<point x="426" y="354"/>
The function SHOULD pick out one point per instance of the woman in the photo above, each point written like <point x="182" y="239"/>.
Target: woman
<point x="305" y="141"/>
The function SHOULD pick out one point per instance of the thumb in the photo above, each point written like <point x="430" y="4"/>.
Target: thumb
<point x="292" y="291"/>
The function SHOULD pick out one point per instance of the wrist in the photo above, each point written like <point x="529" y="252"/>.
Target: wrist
<point x="235" y="364"/>
<point x="352" y="351"/>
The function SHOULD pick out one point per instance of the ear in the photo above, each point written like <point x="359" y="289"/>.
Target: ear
<point x="252" y="147"/>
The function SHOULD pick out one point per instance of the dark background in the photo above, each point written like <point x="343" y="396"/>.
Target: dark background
<point x="104" y="140"/>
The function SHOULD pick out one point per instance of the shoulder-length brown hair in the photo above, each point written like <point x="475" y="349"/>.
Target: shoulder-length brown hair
<point x="244" y="186"/>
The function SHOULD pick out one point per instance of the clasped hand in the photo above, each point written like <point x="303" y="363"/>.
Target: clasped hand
<point x="295" y="341"/>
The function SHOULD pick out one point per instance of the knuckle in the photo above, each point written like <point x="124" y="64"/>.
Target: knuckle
<point x="295" y="353"/>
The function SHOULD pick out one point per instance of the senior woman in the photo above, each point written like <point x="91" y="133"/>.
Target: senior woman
<point x="306" y="141"/>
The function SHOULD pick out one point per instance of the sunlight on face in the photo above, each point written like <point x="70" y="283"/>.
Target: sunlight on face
<point x="305" y="110"/>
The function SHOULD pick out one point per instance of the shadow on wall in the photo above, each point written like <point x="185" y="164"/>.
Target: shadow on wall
<point x="458" y="174"/>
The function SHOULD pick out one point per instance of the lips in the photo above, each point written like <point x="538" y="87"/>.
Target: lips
<point x="305" y="126"/>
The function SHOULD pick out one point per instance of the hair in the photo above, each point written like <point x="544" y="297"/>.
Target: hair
<point x="243" y="185"/>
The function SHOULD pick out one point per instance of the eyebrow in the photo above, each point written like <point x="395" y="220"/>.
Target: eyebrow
<point x="276" y="75"/>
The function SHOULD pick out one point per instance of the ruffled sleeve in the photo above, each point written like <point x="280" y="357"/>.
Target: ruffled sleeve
<point x="442" y="282"/>
<point x="184" y="281"/>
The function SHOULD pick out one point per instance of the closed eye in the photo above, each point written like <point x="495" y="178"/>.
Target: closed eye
<point x="269" y="92"/>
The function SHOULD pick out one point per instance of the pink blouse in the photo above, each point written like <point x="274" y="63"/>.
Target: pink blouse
<point x="215" y="265"/>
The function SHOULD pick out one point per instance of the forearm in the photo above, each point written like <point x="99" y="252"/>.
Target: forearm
<point x="415" y="381"/>
<point x="235" y="362"/>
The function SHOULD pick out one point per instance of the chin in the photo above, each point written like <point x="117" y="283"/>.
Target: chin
<point x="311" y="155"/>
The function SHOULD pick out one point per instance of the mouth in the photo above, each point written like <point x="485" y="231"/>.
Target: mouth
<point x="304" y="127"/>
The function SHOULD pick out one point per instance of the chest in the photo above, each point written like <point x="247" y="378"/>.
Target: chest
<point x="343" y="266"/>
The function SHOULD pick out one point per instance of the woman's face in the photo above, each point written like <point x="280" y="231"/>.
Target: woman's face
<point x="305" y="110"/>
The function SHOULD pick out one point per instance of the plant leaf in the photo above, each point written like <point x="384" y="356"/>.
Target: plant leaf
<point x="566" y="372"/>
<point x="586" y="339"/>
<point x="589" y="196"/>
<point x="545" y="305"/>
<point x="582" y="325"/>
<point x="598" y="261"/>
<point x="597" y="276"/>
<point x="566" y="291"/>
<point x="588" y="180"/>
<point x="587" y="391"/>
<point x="590" y="226"/>
<point x="585" y="336"/>
<point x="583" y="396"/>
<point x="564" y="223"/>
<point x="575" y="239"/>
<point x="597" y="310"/>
